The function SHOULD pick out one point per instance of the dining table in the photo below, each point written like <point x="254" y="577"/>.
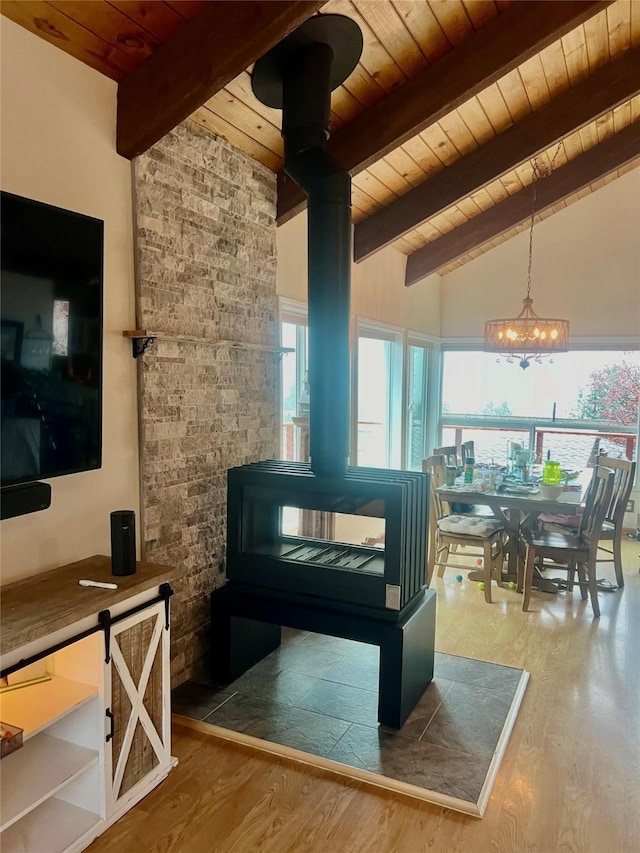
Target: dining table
<point x="518" y="510"/>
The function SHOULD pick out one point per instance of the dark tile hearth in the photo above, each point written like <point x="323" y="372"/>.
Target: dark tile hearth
<point x="318" y="694"/>
<point x="449" y="771"/>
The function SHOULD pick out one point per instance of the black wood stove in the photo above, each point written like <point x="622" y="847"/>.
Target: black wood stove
<point x="275" y="575"/>
<point x="374" y="582"/>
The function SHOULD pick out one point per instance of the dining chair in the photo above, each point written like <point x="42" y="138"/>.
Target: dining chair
<point x="613" y="523"/>
<point x="449" y="530"/>
<point x="434" y="467"/>
<point x="571" y="552"/>
<point x="450" y="454"/>
<point x="467" y="449"/>
<point x="624" y="473"/>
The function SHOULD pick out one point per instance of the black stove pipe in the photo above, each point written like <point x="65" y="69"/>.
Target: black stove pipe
<point x="305" y="128"/>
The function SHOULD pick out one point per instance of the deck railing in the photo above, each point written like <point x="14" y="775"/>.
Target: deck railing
<point x="572" y="443"/>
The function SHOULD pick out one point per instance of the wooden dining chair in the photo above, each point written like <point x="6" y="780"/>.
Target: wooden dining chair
<point x="613" y="523"/>
<point x="450" y="454"/>
<point x="449" y="530"/>
<point x="467" y="450"/>
<point x="434" y="467"/>
<point x="624" y="473"/>
<point x="572" y="552"/>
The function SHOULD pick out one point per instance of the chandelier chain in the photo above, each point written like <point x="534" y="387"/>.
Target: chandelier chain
<point x="529" y="337"/>
<point x="538" y="172"/>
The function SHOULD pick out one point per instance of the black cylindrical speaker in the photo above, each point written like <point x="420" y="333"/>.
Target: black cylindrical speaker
<point x="123" y="542"/>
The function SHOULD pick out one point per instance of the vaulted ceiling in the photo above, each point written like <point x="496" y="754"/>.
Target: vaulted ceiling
<point x="440" y="124"/>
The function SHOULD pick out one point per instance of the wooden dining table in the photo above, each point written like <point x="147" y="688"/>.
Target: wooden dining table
<point x="517" y="512"/>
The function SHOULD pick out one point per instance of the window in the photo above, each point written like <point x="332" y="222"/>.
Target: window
<point x="583" y="402"/>
<point x="295" y="396"/>
<point x="394" y="392"/>
<point x="379" y="397"/>
<point x="416" y="421"/>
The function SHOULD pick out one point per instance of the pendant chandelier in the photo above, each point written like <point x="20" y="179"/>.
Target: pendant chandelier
<point x="527" y="337"/>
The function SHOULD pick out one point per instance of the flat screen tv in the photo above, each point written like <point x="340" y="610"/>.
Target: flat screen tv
<point x="51" y="312"/>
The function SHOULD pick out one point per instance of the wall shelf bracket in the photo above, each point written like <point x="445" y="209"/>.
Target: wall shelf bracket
<point x="140" y="345"/>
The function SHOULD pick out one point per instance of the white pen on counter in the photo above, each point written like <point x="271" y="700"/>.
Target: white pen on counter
<point x="99" y="584"/>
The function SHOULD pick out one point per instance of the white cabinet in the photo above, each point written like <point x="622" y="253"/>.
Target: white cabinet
<point x="51" y="792"/>
<point x="96" y="733"/>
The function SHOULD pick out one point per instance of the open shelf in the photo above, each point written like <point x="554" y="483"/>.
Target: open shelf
<point x="41" y="768"/>
<point x="53" y="826"/>
<point x="38" y="705"/>
<point x="142" y="338"/>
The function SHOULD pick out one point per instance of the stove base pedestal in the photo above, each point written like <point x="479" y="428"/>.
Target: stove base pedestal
<point x="245" y="627"/>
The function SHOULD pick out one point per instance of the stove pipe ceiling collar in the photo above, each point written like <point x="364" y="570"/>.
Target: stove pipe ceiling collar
<point x="298" y="76"/>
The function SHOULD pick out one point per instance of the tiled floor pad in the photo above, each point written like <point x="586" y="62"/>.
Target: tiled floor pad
<point x="318" y="695"/>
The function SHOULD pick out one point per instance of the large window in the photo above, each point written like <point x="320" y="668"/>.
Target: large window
<point x="416" y="420"/>
<point x="394" y="405"/>
<point x="293" y="334"/>
<point x="583" y="402"/>
<point x="379" y="398"/>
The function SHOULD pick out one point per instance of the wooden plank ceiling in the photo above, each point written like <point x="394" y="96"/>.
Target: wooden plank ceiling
<point x="439" y="122"/>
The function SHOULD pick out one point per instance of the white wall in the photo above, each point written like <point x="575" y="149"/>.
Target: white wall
<point x="586" y="267"/>
<point x="377" y="284"/>
<point x="58" y="146"/>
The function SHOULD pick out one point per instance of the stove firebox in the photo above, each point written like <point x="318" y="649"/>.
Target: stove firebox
<point x="373" y="581"/>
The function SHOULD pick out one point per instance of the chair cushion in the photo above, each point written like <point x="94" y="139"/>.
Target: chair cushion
<point x="469" y="525"/>
<point x="571" y="521"/>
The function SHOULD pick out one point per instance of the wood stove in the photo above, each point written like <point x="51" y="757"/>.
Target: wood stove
<point x="379" y="582"/>
<point x="274" y="575"/>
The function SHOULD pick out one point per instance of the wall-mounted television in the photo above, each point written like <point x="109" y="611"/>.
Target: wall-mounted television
<point x="51" y="278"/>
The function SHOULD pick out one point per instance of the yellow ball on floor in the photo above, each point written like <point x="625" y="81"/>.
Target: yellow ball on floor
<point x="480" y="585"/>
<point x="511" y="585"/>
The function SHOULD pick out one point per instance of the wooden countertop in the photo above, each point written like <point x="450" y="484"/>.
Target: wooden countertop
<point x="41" y="604"/>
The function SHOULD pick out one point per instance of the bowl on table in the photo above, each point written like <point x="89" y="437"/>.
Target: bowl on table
<point x="550" y="492"/>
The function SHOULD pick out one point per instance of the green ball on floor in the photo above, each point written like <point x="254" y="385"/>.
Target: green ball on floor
<point x="459" y="578"/>
<point x="480" y="585"/>
<point x="511" y="585"/>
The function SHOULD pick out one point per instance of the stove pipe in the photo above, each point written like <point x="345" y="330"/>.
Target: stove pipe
<point x="299" y="75"/>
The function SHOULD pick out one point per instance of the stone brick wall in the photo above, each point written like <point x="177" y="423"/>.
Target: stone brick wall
<point x="206" y="267"/>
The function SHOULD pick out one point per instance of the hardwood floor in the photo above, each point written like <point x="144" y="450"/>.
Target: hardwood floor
<point x="570" y="780"/>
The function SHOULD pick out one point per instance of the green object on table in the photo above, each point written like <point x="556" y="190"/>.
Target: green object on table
<point x="552" y="474"/>
<point x="468" y="469"/>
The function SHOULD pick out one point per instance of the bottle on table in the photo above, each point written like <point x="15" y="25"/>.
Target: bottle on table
<point x="468" y="469"/>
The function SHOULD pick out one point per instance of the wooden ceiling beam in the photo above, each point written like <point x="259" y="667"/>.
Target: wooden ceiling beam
<point x="209" y="51"/>
<point x="575" y="175"/>
<point x="505" y="42"/>
<point x="604" y="90"/>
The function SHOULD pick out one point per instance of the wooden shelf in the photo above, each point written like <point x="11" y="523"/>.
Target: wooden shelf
<point x="53" y="826"/>
<point x="35" y="607"/>
<point x="38" y="705"/>
<point x="40" y="769"/>
<point x="147" y="336"/>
